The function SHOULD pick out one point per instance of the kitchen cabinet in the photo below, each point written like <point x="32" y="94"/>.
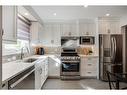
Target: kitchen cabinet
<point x="9" y="22"/>
<point x="41" y="73"/>
<point x="35" y="29"/>
<point x="54" y="68"/>
<point x="88" y="66"/>
<point x="51" y="35"/>
<point x="69" y="29"/>
<point x="109" y="26"/>
<point x="87" y="29"/>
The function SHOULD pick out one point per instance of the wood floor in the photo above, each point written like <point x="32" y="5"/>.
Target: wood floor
<point x="88" y="84"/>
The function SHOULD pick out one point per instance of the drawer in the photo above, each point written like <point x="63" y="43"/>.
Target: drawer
<point x="90" y="73"/>
<point x="90" y="66"/>
<point x="91" y="60"/>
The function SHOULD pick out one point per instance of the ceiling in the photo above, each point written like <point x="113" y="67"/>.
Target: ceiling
<point x="78" y="12"/>
<point x="22" y="11"/>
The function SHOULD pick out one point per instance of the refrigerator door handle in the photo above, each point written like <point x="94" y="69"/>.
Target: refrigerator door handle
<point x="112" y="48"/>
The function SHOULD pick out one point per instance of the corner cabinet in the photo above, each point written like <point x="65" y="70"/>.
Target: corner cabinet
<point x="9" y="24"/>
<point x="54" y="68"/>
<point x="109" y="25"/>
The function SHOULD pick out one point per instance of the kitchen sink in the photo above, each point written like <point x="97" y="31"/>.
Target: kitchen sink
<point x="30" y="60"/>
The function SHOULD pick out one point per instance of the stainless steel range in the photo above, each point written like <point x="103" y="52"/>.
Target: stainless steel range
<point x="70" y="67"/>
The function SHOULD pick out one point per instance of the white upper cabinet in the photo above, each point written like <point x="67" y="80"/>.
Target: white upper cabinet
<point x="109" y="26"/>
<point x="35" y="29"/>
<point x="86" y="28"/>
<point x="9" y="24"/>
<point x="51" y="34"/>
<point x="56" y="34"/>
<point x="69" y="29"/>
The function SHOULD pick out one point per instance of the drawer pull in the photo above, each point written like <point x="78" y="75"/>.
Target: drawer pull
<point x="89" y="64"/>
<point x="89" y="72"/>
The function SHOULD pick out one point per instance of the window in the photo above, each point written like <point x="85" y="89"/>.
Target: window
<point x="23" y="30"/>
<point x="23" y="37"/>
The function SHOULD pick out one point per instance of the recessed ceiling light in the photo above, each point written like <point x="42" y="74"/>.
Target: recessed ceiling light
<point x="54" y="14"/>
<point x="26" y="14"/>
<point x="85" y="6"/>
<point x="107" y="14"/>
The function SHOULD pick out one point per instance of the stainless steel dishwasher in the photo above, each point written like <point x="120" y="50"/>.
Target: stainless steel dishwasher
<point x="25" y="80"/>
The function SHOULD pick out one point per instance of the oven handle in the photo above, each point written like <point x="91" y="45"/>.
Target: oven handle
<point x="70" y="61"/>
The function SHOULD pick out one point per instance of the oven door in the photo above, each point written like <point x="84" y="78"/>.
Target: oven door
<point x="69" y="68"/>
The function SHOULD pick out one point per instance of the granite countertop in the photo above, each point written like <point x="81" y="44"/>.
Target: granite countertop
<point x="11" y="69"/>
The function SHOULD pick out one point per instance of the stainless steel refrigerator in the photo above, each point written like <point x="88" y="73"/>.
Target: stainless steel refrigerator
<point x="124" y="32"/>
<point x="0" y="47"/>
<point x="110" y="54"/>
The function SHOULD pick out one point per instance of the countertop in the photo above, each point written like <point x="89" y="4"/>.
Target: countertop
<point x="92" y="55"/>
<point x="11" y="69"/>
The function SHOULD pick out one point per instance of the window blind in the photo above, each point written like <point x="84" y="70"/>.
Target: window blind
<point x="23" y="28"/>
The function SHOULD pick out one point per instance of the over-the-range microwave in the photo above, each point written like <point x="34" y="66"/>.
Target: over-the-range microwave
<point x="87" y="40"/>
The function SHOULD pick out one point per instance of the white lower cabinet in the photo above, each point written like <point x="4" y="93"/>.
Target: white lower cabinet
<point x="88" y="66"/>
<point x="54" y="68"/>
<point x="41" y="73"/>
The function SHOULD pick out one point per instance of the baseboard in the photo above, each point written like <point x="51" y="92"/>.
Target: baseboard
<point x="82" y="77"/>
<point x="88" y="77"/>
<point x="53" y="77"/>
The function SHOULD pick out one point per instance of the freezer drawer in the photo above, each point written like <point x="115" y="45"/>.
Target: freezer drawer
<point x="114" y="68"/>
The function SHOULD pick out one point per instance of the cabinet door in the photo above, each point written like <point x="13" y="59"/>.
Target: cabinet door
<point x="34" y="32"/>
<point x="108" y="27"/>
<point x="46" y="68"/>
<point x="114" y="27"/>
<point x="38" y="77"/>
<point x="91" y="29"/>
<point x="46" y="35"/>
<point x="83" y="29"/>
<point x="9" y="22"/>
<point x="104" y="27"/>
<point x="42" y="72"/>
<point x="56" y="34"/>
<point x="54" y="68"/>
<point x="65" y="29"/>
<point x="73" y="29"/>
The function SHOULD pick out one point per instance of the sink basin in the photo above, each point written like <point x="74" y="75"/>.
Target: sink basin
<point x="30" y="60"/>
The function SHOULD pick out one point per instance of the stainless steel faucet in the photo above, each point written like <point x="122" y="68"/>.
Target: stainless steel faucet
<point x="22" y="53"/>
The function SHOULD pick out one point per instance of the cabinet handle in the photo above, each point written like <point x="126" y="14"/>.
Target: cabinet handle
<point x="89" y="64"/>
<point x="89" y="72"/>
<point x="40" y="70"/>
